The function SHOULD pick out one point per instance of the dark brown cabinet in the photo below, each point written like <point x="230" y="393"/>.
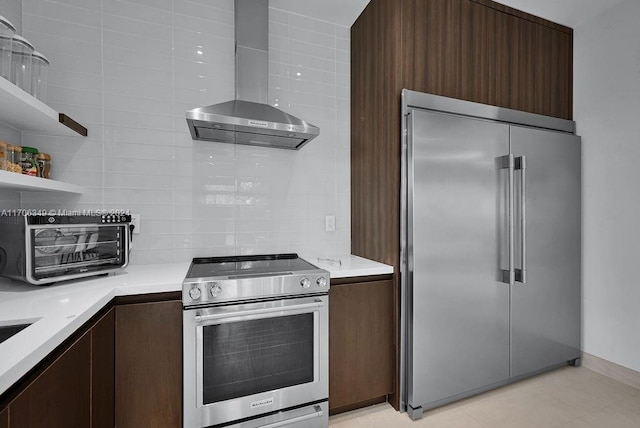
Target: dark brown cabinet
<point x="60" y="397"/>
<point x="103" y="372"/>
<point x="4" y="418"/>
<point x="534" y="67"/>
<point x="74" y="388"/>
<point x="123" y="368"/>
<point x="149" y="365"/>
<point x="360" y="342"/>
<point x="451" y="49"/>
<point x="481" y="52"/>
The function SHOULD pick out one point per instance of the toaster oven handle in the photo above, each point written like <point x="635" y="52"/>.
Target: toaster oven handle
<point x="257" y="311"/>
<point x="129" y="232"/>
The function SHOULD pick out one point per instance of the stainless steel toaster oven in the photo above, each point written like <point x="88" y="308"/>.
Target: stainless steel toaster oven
<point x="41" y="249"/>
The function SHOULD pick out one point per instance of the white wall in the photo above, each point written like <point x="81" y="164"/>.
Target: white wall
<point x="12" y="10"/>
<point x="128" y="70"/>
<point x="607" y="111"/>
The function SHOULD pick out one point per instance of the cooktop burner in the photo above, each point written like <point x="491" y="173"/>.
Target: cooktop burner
<point x="220" y="280"/>
<point x="242" y="266"/>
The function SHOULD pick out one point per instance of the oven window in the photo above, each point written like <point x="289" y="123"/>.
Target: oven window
<point x="64" y="250"/>
<point x="249" y="357"/>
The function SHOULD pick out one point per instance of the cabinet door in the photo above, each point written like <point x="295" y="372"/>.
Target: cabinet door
<point x="60" y="397"/>
<point x="533" y="67"/>
<point x="103" y="371"/>
<point x="545" y="309"/>
<point x="453" y="49"/>
<point x="4" y="418"/>
<point x="360" y="342"/>
<point x="149" y="365"/>
<point x="553" y="72"/>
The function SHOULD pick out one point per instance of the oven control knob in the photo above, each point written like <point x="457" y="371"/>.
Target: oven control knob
<point x="322" y="281"/>
<point x="195" y="292"/>
<point x="215" y="291"/>
<point x="305" y="283"/>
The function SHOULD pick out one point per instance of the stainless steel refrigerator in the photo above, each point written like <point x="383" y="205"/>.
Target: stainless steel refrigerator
<point x="491" y="247"/>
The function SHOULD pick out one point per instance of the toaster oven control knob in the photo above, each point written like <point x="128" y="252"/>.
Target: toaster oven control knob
<point x="215" y="291"/>
<point x="195" y="292"/>
<point x="322" y="281"/>
<point x="305" y="283"/>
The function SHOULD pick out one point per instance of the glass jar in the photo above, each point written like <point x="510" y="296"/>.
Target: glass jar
<point x="29" y="163"/>
<point x="44" y="164"/>
<point x="7" y="31"/>
<point x="39" y="66"/>
<point x="3" y="155"/>
<point x="14" y="158"/>
<point x="21" y="51"/>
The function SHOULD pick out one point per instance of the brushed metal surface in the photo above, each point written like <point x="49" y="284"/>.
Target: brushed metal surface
<point x="457" y="248"/>
<point x="249" y="119"/>
<point x="484" y="111"/>
<point x="546" y="311"/>
<point x="197" y="414"/>
<point x="313" y="416"/>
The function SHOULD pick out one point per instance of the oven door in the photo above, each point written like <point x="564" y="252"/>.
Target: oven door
<point x="62" y="252"/>
<point x="246" y="360"/>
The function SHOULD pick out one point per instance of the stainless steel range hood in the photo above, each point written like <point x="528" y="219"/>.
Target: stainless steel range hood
<point x="249" y="119"/>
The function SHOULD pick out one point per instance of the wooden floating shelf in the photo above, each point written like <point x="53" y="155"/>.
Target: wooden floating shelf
<point x="22" y="183"/>
<point x="24" y="112"/>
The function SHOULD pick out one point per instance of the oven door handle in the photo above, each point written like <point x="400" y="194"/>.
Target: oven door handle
<point x="318" y="413"/>
<point x="259" y="311"/>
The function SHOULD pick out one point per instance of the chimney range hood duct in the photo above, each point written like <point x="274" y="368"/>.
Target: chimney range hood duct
<point x="249" y="119"/>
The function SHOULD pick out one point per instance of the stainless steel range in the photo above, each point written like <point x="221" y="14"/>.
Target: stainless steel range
<point x="255" y="342"/>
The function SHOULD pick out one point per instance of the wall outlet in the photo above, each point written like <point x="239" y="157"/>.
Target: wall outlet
<point x="135" y="221"/>
<point x="330" y="223"/>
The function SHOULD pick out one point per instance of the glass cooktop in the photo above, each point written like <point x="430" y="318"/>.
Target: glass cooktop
<point x="248" y="266"/>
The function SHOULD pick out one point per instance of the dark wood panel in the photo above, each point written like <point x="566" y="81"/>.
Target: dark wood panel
<point x="507" y="47"/>
<point x="534" y="67"/>
<point x="360" y="342"/>
<point x="524" y="15"/>
<point x="378" y="47"/>
<point x="149" y="365"/>
<point x="516" y="63"/>
<point x="4" y="418"/>
<point x="375" y="137"/>
<point x="149" y="298"/>
<point x="437" y="62"/>
<point x="453" y="49"/>
<point x="60" y="397"/>
<point x="478" y="50"/>
<point x="357" y="279"/>
<point x="103" y="372"/>
<point x="360" y="405"/>
<point x="553" y="73"/>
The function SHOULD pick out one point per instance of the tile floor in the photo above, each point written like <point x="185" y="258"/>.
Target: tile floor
<point x="565" y="398"/>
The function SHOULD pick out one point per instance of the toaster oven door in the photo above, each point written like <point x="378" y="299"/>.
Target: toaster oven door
<point x="65" y="252"/>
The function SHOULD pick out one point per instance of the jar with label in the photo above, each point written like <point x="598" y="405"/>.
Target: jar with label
<point x="44" y="164"/>
<point x="14" y="158"/>
<point x="3" y="155"/>
<point x="29" y="163"/>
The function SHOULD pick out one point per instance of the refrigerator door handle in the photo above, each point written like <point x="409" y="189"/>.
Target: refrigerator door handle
<point x="509" y="276"/>
<point x="521" y="274"/>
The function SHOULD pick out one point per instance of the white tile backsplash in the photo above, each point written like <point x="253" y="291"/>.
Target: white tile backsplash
<point x="128" y="70"/>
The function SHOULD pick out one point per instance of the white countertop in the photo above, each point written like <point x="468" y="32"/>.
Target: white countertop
<point x="349" y="266"/>
<point x="60" y="309"/>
